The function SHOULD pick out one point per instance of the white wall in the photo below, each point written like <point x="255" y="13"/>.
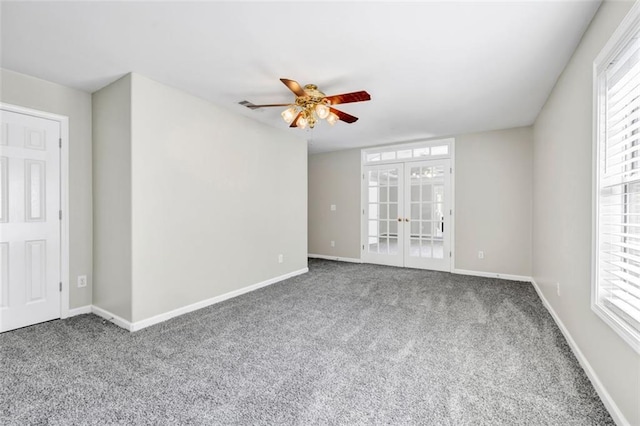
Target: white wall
<point x="30" y="92"/>
<point x="562" y="225"/>
<point x="334" y="178"/>
<point x="112" y="198"/>
<point x="492" y="205"/>
<point x="216" y="197"/>
<point x="192" y="201"/>
<point x="494" y="201"/>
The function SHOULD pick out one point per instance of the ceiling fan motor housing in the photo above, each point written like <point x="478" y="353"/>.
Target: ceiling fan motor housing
<point x="313" y="96"/>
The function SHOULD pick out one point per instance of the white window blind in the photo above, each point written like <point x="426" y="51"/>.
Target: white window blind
<point x="617" y="282"/>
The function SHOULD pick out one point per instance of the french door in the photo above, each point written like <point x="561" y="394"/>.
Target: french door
<point x="408" y="214"/>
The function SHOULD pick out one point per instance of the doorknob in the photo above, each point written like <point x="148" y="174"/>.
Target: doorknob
<point x="399" y="219"/>
<point x="406" y="219"/>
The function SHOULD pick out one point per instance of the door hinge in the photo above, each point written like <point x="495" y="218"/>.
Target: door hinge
<point x="60" y="214"/>
<point x="363" y="247"/>
<point x="449" y="254"/>
<point x="363" y="176"/>
<point x="450" y="212"/>
<point x="60" y="287"/>
<point x="60" y="142"/>
<point x="450" y="169"/>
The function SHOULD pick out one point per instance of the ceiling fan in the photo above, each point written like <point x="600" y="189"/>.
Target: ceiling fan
<point x="311" y="104"/>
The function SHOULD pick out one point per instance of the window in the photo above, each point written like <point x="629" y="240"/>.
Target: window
<point x="616" y="278"/>
<point x="408" y="152"/>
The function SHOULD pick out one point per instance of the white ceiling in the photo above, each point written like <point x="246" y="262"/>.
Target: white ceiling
<point x="432" y="68"/>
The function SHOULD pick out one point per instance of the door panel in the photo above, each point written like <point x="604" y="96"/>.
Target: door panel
<point x="383" y="196"/>
<point x="427" y="238"/>
<point x="29" y="221"/>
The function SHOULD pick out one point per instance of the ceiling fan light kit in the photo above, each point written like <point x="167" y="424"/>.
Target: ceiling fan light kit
<point x="289" y="114"/>
<point x="332" y="119"/>
<point x="311" y="105"/>
<point x="322" y="111"/>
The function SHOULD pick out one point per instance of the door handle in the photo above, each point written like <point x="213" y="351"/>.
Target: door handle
<point x="406" y="219"/>
<point x="443" y="226"/>
<point x="399" y="219"/>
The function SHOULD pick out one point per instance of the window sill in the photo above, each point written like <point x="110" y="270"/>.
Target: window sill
<point x="628" y="334"/>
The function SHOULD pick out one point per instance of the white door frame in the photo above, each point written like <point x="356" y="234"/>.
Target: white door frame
<point x="64" y="195"/>
<point x="413" y="144"/>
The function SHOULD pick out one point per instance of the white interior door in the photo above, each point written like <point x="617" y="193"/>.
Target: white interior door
<point x="29" y="220"/>
<point x="407" y="214"/>
<point x="427" y="242"/>
<point x="383" y="211"/>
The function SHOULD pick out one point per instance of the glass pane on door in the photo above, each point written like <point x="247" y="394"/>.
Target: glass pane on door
<point x="426" y="211"/>
<point x="438" y="223"/>
<point x="382" y="210"/>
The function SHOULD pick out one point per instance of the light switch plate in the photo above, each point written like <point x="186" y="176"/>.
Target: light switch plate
<point x="82" y="281"/>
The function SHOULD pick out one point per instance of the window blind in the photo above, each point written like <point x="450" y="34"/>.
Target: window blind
<point x="618" y="283"/>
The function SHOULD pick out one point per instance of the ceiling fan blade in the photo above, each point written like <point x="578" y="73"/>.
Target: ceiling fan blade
<point x="343" y="116"/>
<point x="253" y="106"/>
<point x="294" y="123"/>
<point x="294" y="87"/>
<point x="346" y="98"/>
<point x="267" y="106"/>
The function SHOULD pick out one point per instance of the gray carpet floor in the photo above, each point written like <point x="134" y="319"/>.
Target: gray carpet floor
<point x="344" y="344"/>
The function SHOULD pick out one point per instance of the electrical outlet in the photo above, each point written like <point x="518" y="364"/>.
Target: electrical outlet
<point x="280" y="258"/>
<point x="480" y="255"/>
<point x="333" y="207"/>
<point x="333" y="243"/>
<point x="558" y="288"/>
<point x="82" y="281"/>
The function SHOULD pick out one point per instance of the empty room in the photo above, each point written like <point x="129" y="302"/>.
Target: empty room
<point x="320" y="212"/>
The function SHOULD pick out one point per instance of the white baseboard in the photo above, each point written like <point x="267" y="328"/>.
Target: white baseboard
<point x="79" y="311"/>
<point x="607" y="400"/>
<point x="492" y="275"/>
<point x="338" y="258"/>
<point x="139" y="325"/>
<point x="119" y="321"/>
